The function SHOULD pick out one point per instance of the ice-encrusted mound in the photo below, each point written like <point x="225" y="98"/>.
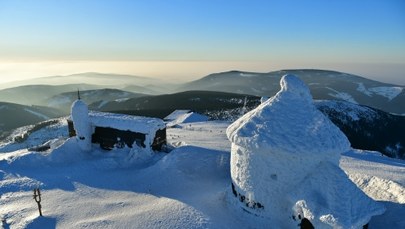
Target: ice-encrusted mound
<point x="289" y="122"/>
<point x="282" y="153"/>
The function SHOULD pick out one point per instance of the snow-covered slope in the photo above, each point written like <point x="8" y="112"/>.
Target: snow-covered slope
<point x="102" y="96"/>
<point x="187" y="118"/>
<point x="389" y="92"/>
<point x="183" y="189"/>
<point x="16" y="115"/>
<point x="367" y="128"/>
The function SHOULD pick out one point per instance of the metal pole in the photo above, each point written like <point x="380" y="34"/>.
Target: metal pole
<point x="37" y="198"/>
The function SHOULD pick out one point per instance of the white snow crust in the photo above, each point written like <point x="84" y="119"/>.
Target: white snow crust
<point x="389" y="92"/>
<point x="342" y="95"/>
<point x="176" y="114"/>
<point x="351" y="110"/>
<point x="188" y="118"/>
<point x="363" y="89"/>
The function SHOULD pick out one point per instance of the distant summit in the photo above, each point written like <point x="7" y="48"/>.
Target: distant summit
<point x="323" y="84"/>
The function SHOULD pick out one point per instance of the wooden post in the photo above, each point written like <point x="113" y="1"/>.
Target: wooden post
<point x="37" y="198"/>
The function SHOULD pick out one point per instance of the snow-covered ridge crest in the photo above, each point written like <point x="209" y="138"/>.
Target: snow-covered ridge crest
<point x="289" y="116"/>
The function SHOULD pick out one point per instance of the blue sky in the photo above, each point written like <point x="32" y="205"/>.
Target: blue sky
<point x="363" y="37"/>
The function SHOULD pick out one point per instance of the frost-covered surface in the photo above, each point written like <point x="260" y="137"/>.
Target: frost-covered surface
<point x="209" y="135"/>
<point x="382" y="179"/>
<point x="176" y="114"/>
<point x="352" y="111"/>
<point x="186" y="188"/>
<point x="342" y="95"/>
<point x="389" y="92"/>
<point x="285" y="153"/>
<point x="39" y="137"/>
<point x="363" y="89"/>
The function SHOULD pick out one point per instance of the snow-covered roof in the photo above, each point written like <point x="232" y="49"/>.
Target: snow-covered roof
<point x="192" y="117"/>
<point x="289" y="122"/>
<point x="138" y="124"/>
<point x="176" y="114"/>
<point x="188" y="118"/>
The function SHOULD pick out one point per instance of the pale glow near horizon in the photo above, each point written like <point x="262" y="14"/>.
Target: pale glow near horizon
<point x="187" y="40"/>
<point x="183" y="71"/>
<point x="180" y="71"/>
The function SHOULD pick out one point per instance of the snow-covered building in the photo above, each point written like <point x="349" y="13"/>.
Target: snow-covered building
<point x="176" y="114"/>
<point x="114" y="130"/>
<point x="184" y="116"/>
<point x="285" y="164"/>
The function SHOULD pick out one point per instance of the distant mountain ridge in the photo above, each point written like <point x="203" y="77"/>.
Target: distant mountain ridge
<point x="38" y="94"/>
<point x="324" y="84"/>
<point x="15" y="115"/>
<point x="94" y="78"/>
<point x="101" y="96"/>
<point x="162" y="105"/>
<point x="367" y="128"/>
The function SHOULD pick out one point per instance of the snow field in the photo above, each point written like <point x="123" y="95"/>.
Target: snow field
<point x="187" y="188"/>
<point x="388" y="92"/>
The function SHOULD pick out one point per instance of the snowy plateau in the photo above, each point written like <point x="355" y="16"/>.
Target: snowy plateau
<point x="189" y="187"/>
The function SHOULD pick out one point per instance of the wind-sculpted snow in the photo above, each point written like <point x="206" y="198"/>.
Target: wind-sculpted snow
<point x="289" y="117"/>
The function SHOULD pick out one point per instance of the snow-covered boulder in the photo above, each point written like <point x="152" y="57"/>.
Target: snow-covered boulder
<point x="282" y="152"/>
<point x="80" y="118"/>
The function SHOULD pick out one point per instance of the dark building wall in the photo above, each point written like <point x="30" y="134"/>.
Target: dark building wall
<point x="109" y="137"/>
<point x="159" y="140"/>
<point x="71" y="128"/>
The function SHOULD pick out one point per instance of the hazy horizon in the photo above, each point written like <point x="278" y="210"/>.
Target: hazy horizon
<point x="186" y="40"/>
<point x="182" y="71"/>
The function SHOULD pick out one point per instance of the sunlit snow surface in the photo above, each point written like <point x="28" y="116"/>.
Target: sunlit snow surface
<point x="183" y="189"/>
<point x="388" y="92"/>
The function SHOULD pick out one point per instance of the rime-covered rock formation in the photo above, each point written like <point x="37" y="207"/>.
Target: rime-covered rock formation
<point x="285" y="162"/>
